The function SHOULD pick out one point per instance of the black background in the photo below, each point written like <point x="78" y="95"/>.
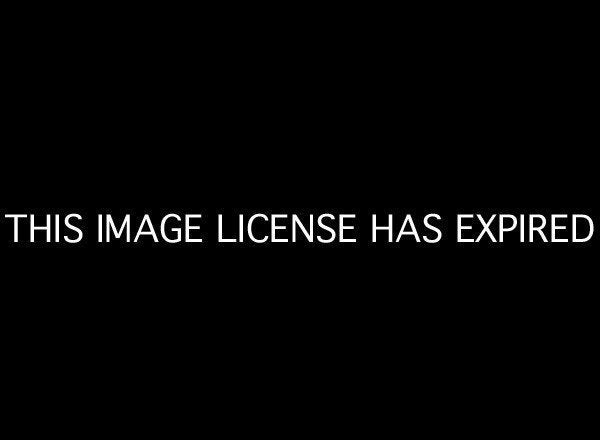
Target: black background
<point x="386" y="112"/>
